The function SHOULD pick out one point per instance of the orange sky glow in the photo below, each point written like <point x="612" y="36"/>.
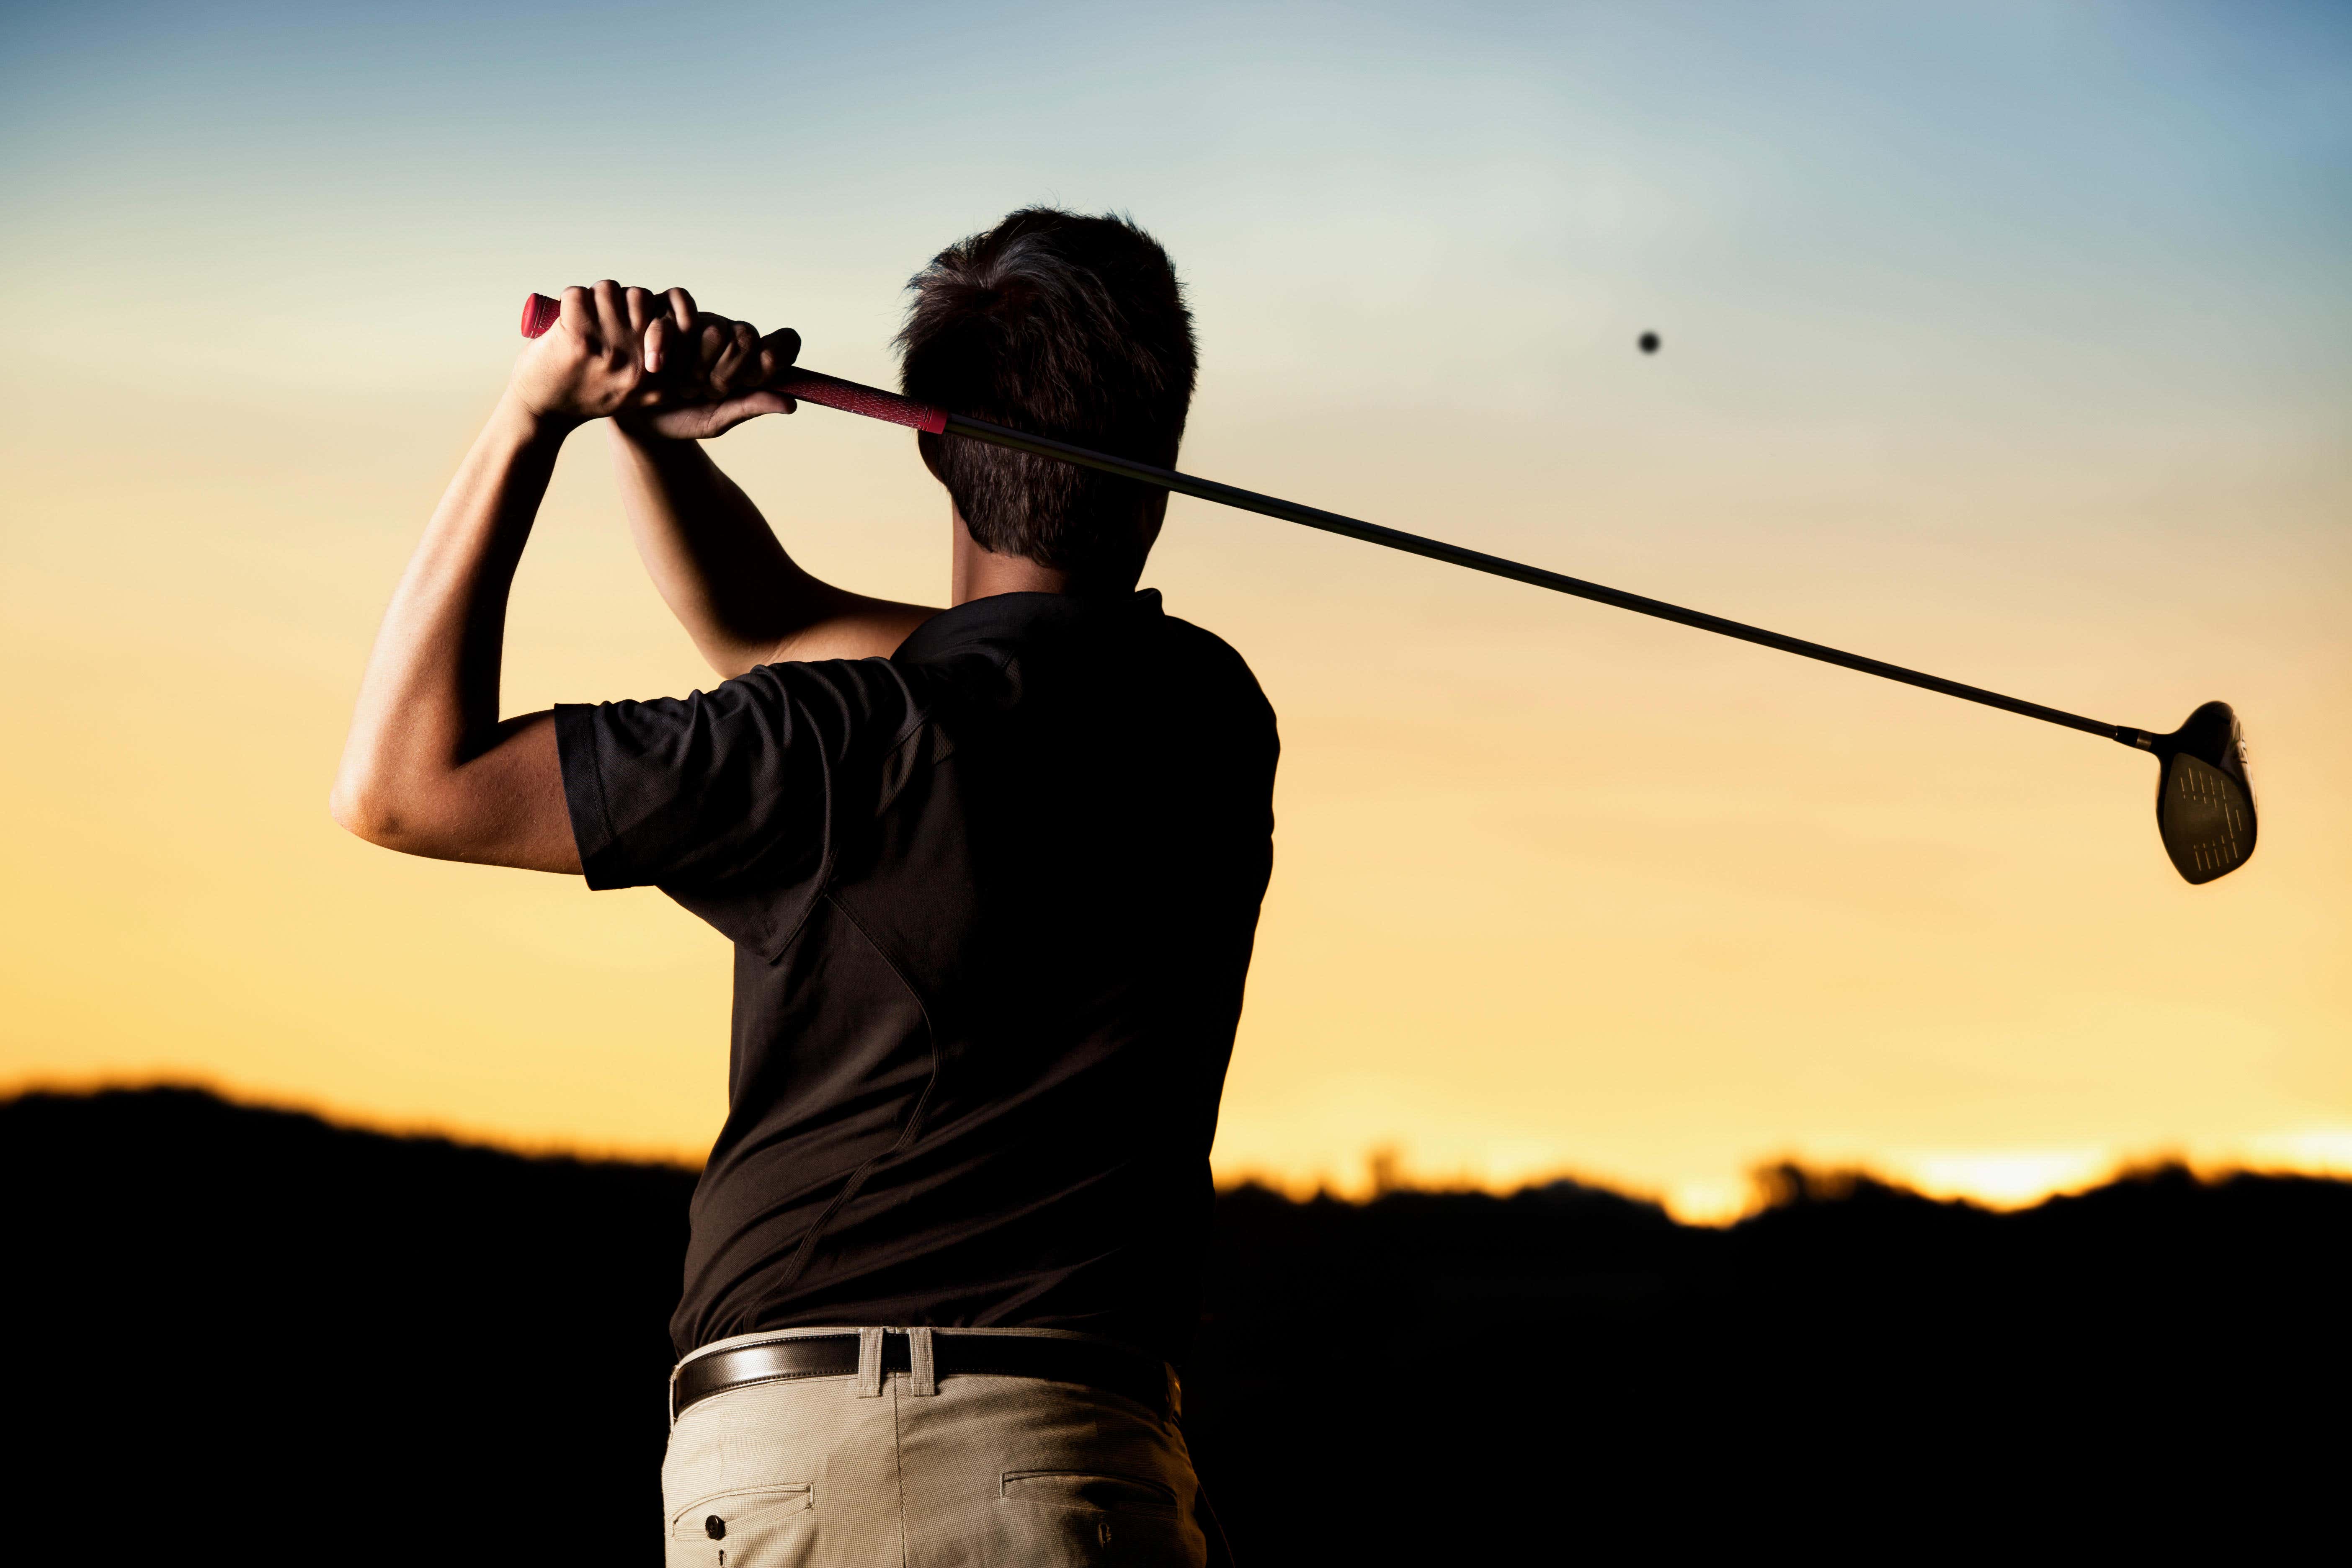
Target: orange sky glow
<point x="2011" y="345"/>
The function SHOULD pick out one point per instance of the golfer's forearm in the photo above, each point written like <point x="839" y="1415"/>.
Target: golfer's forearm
<point x="721" y="569"/>
<point x="712" y="556"/>
<point x="417" y="770"/>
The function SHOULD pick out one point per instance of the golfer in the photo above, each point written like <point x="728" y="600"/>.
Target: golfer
<point x="991" y="873"/>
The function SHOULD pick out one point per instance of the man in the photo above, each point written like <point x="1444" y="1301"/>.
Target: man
<point x="991" y="873"/>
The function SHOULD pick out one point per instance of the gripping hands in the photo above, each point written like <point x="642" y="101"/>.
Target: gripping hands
<point x="652" y="361"/>
<point x="777" y="374"/>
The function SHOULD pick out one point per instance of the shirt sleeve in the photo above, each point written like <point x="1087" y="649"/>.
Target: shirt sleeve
<point x="737" y="786"/>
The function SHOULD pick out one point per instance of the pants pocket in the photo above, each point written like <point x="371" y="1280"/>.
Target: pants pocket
<point x="757" y="1527"/>
<point x="1070" y="1518"/>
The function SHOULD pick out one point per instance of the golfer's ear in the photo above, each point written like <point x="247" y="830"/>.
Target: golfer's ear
<point x="928" y="446"/>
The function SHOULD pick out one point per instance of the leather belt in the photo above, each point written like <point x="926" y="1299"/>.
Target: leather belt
<point x="1096" y="1363"/>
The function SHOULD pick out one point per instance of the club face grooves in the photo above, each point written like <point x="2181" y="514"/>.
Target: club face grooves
<point x="2204" y="800"/>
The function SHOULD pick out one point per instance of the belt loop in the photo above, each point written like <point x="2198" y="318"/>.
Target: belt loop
<point x="869" y="1363"/>
<point x="673" y="1371"/>
<point x="918" y="1357"/>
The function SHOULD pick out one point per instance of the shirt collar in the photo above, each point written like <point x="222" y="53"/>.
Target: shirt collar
<point x="1022" y="618"/>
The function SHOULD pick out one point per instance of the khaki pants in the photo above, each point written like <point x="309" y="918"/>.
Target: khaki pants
<point x="824" y="1472"/>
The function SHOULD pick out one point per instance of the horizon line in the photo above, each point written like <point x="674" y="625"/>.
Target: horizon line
<point x="1765" y="1184"/>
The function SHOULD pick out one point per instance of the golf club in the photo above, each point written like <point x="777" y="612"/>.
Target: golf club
<point x="2204" y="801"/>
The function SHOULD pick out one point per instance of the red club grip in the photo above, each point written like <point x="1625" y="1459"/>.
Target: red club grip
<point x="850" y="397"/>
<point x="540" y="312"/>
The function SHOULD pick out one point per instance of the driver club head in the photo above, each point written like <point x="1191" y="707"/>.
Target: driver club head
<point x="2204" y="802"/>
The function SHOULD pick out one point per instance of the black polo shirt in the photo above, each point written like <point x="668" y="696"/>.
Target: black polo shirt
<point x="993" y="899"/>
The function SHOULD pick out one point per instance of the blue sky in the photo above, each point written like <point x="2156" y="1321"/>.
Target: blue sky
<point x="1483" y="186"/>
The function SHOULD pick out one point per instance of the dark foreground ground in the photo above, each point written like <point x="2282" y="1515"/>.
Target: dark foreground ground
<point x="250" y="1336"/>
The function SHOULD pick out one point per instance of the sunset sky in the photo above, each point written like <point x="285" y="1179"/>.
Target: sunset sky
<point x="2010" y="342"/>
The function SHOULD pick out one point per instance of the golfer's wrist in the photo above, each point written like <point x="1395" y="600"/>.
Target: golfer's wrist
<point x="528" y="426"/>
<point x="667" y="457"/>
<point x="635" y="426"/>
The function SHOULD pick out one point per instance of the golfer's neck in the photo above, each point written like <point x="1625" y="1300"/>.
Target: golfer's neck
<point x="979" y="573"/>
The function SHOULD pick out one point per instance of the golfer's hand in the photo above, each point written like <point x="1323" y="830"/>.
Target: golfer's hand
<point x="603" y="353"/>
<point x="713" y="376"/>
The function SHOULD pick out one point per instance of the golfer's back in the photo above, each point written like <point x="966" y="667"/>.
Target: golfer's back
<point x="992" y="901"/>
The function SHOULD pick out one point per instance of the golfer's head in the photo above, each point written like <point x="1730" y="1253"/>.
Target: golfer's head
<point x="1070" y="327"/>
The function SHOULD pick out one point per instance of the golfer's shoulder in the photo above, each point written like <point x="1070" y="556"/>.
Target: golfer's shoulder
<point x="1217" y="671"/>
<point x="841" y="697"/>
<point x="1196" y="645"/>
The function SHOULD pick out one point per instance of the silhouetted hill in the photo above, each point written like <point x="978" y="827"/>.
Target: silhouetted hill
<point x="249" y="1334"/>
<point x="274" y="1338"/>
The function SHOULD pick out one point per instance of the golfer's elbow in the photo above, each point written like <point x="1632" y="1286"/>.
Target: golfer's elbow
<point x="505" y="807"/>
<point x="376" y="811"/>
<point x="361" y="814"/>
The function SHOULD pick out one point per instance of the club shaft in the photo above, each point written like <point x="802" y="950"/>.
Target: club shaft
<point x="540" y="313"/>
<point x="1558" y="583"/>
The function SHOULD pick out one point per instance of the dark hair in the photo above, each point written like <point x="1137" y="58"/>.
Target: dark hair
<point x="1064" y="326"/>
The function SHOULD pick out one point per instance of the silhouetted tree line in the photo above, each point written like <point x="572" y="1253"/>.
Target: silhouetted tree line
<point x="252" y="1336"/>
